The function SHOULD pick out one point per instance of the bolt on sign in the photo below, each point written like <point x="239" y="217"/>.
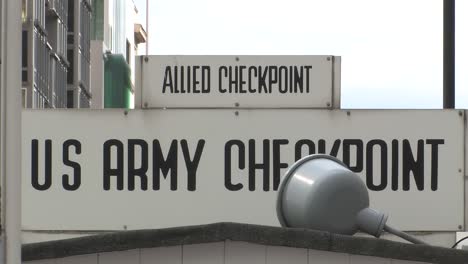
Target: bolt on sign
<point x="165" y="168"/>
<point x="238" y="81"/>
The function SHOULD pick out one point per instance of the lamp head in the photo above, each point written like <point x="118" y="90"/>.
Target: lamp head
<point x="320" y="192"/>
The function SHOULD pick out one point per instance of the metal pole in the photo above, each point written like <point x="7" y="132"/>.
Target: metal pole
<point x="147" y="29"/>
<point x="449" y="54"/>
<point x="10" y="130"/>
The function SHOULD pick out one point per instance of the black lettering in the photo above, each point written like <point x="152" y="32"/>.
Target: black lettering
<point x="227" y="163"/>
<point x="410" y="164"/>
<point x="220" y="79"/>
<point x="176" y="77"/>
<point x="254" y="70"/>
<point x="262" y="79"/>
<point x="75" y="165"/>
<point x="321" y="146"/>
<point x="370" y="165"/>
<point x="192" y="165"/>
<point x="196" y="82"/>
<point x="108" y="172"/>
<point x="265" y="166"/>
<point x="164" y="165"/>
<point x="140" y="172"/>
<point x="167" y="83"/>
<point x="277" y="164"/>
<point x="300" y="144"/>
<point x="233" y="81"/>
<point x="434" y="161"/>
<point x="273" y="77"/>
<point x="347" y="143"/>
<point x="298" y="79"/>
<point x="281" y="88"/>
<point x="206" y="79"/>
<point x="182" y="77"/>
<point x="242" y="82"/>
<point x="395" y="167"/>
<point x="335" y="148"/>
<point x="290" y="77"/>
<point x="308" y="68"/>
<point x="189" y="80"/>
<point x="35" y="165"/>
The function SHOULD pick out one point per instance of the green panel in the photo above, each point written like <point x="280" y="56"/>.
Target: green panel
<point x="117" y="82"/>
<point x="98" y="20"/>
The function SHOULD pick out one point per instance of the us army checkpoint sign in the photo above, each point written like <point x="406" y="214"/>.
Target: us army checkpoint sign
<point x="104" y="170"/>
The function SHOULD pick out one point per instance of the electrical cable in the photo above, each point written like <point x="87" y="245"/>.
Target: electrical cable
<point x="403" y="235"/>
<point x="454" y="245"/>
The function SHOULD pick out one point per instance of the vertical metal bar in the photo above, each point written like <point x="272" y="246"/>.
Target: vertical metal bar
<point x="449" y="54"/>
<point x="10" y="130"/>
<point x="147" y="25"/>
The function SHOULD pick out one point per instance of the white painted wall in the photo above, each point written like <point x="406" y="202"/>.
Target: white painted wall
<point x="228" y="252"/>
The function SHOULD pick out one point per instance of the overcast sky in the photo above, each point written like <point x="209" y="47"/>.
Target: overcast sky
<point x="391" y="49"/>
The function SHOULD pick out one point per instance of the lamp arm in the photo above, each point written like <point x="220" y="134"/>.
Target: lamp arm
<point x="403" y="235"/>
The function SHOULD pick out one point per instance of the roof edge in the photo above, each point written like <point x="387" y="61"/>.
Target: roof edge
<point x="266" y="235"/>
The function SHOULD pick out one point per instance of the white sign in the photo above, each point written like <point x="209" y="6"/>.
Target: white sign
<point x="165" y="168"/>
<point x="238" y="81"/>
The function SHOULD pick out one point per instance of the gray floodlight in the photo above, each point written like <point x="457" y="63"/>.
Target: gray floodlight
<point x="320" y="192"/>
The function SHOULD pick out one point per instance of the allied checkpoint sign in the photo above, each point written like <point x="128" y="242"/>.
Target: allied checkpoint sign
<point x="110" y="170"/>
<point x="238" y="81"/>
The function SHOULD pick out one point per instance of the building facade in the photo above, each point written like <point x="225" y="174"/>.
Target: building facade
<point x="56" y="53"/>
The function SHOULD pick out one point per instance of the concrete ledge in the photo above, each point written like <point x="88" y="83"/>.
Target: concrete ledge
<point x="266" y="235"/>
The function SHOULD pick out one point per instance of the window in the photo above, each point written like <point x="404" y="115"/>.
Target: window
<point x="60" y="90"/>
<point x="25" y="54"/>
<point x="36" y="57"/>
<point x="24" y="75"/>
<point x="24" y="98"/>
<point x="84" y="101"/>
<point x="71" y="16"/>
<point x="39" y="13"/>
<point x="71" y="60"/>
<point x="65" y="10"/>
<point x="69" y="99"/>
<point x="84" y="71"/>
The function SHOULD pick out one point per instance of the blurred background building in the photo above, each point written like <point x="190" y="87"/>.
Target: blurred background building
<point x="114" y="44"/>
<point x="79" y="54"/>
<point x="44" y="62"/>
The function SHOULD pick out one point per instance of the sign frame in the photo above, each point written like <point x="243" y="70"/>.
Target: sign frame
<point x="265" y="126"/>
